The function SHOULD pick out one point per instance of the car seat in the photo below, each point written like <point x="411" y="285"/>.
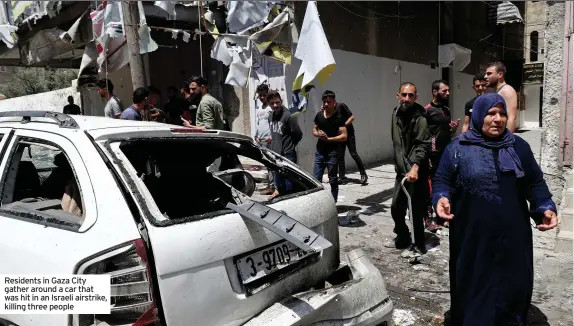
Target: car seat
<point x="27" y="183"/>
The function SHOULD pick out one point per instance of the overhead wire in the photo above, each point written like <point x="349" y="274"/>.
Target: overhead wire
<point x="358" y="15"/>
<point x="381" y="15"/>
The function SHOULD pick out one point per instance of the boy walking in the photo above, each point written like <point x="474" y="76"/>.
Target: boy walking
<point x="332" y="133"/>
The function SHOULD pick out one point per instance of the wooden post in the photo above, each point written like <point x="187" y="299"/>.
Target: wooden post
<point x="131" y="24"/>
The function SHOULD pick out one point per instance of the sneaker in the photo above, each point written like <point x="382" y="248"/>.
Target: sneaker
<point x="364" y="179"/>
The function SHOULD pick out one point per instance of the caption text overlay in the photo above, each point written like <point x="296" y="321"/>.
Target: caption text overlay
<point x="55" y="294"/>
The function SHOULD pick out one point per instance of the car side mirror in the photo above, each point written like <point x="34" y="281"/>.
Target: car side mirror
<point x="238" y="179"/>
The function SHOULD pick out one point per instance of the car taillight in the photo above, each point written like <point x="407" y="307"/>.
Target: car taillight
<point x="132" y="301"/>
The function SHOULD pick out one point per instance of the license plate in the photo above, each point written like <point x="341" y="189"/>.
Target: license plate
<point x="268" y="260"/>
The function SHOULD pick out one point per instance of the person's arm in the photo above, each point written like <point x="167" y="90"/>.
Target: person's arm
<point x="341" y="137"/>
<point x="206" y="112"/>
<point x="421" y="143"/>
<point x="256" y="137"/>
<point x="467" y="114"/>
<point x="116" y="109"/>
<point x="349" y="114"/>
<point x="296" y="133"/>
<point x="509" y="95"/>
<point x="454" y="127"/>
<point x="435" y="116"/>
<point x="542" y="207"/>
<point x="466" y="124"/>
<point x="443" y="183"/>
<point x="318" y="133"/>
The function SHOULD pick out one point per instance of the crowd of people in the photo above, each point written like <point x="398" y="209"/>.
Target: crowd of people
<point x="483" y="184"/>
<point x="192" y="106"/>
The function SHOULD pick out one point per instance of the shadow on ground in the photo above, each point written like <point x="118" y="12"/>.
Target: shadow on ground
<point x="536" y="317"/>
<point x="347" y="208"/>
<point x="354" y="181"/>
<point x="374" y="202"/>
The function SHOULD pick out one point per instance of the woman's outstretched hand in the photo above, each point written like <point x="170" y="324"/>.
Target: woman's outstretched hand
<point x="443" y="209"/>
<point x="549" y="221"/>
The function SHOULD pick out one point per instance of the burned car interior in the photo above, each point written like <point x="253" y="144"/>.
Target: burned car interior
<point x="194" y="177"/>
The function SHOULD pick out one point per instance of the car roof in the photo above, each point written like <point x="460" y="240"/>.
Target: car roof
<point x="98" y="127"/>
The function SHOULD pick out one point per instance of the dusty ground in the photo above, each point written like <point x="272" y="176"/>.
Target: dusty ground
<point x="417" y="292"/>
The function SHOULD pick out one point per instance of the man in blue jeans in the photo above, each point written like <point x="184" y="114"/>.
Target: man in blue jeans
<point x="285" y="135"/>
<point x="332" y="133"/>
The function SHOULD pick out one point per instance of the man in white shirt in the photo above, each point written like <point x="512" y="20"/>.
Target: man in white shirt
<point x="114" y="106"/>
<point x="263" y="132"/>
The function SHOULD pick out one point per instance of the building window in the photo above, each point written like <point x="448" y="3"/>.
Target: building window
<point x="534" y="46"/>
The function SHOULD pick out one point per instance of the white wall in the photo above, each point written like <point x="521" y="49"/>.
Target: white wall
<point x="368" y="85"/>
<point x="531" y="113"/>
<point x="48" y="101"/>
<point x="460" y="92"/>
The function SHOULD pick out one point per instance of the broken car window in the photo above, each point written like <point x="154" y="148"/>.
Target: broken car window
<point x="189" y="177"/>
<point x="41" y="184"/>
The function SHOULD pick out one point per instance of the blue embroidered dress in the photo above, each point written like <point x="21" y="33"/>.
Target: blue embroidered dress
<point x="491" y="264"/>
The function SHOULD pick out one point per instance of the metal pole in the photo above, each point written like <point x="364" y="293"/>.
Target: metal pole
<point x="131" y="23"/>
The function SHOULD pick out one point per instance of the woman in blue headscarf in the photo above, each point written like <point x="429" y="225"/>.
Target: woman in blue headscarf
<point x="485" y="180"/>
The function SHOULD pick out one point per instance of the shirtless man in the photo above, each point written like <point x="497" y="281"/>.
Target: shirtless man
<point x="495" y="78"/>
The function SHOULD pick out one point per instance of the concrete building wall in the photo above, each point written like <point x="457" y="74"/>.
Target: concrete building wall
<point x="551" y="160"/>
<point x="48" y="101"/>
<point x="461" y="92"/>
<point x="368" y="85"/>
<point x="534" y="21"/>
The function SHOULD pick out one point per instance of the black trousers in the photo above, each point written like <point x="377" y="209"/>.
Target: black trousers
<point x="419" y="192"/>
<point x="352" y="144"/>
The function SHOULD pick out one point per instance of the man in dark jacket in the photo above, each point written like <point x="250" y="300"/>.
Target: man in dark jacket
<point x="442" y="128"/>
<point x="411" y="144"/>
<point x="440" y="123"/>
<point x="285" y="135"/>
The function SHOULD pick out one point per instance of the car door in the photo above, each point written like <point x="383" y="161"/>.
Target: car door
<point x="32" y="245"/>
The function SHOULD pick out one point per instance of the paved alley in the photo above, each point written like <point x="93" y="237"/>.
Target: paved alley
<point x="420" y="292"/>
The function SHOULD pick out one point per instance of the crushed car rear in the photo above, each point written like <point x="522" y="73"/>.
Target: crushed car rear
<point x="224" y="255"/>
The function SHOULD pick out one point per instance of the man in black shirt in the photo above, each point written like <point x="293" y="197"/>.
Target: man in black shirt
<point x="72" y="108"/>
<point x="479" y="86"/>
<point x="177" y="106"/>
<point x="331" y="131"/>
<point x="348" y="118"/>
